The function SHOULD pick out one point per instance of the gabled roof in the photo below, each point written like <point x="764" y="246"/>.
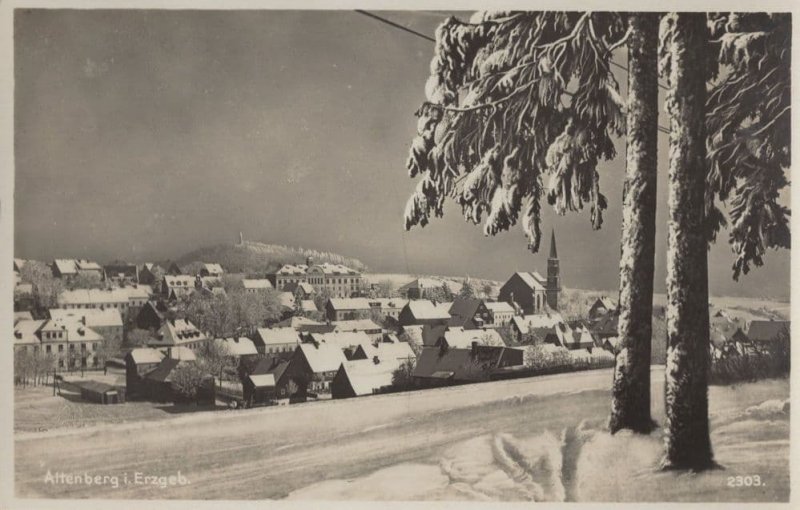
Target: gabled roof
<point x="461" y="338"/>
<point x="179" y="352"/>
<point x="606" y="325"/>
<point x="76" y="332"/>
<point x="422" y="309"/>
<point x="366" y="377"/>
<point x="456" y="364"/>
<point x="297" y="322"/>
<point x="340" y="304"/>
<point x="26" y="332"/>
<point x="388" y="303"/>
<point x="102" y="296"/>
<point x="87" y="265"/>
<point x="19" y="264"/>
<point x="262" y="380"/>
<point x="765" y="331"/>
<point x="277" y="336"/>
<point x="463" y="311"/>
<point x="66" y="266"/>
<point x="179" y="332"/>
<point x="292" y="269"/>
<point x="422" y="284"/>
<point x="324" y="357"/>
<point x="386" y="351"/>
<point x="213" y="268"/>
<point x="533" y="280"/>
<point x="332" y="269"/>
<point x="341" y="340"/>
<point x="286" y="299"/>
<point x="499" y="307"/>
<point x="537" y="321"/>
<point x="256" y="284"/>
<point x="92" y="317"/>
<point x="308" y="305"/>
<point x="163" y="371"/>
<point x="238" y="346"/>
<point x="121" y="268"/>
<point x="142" y="355"/>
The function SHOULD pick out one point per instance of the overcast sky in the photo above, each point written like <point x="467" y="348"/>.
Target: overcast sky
<point x="142" y="135"/>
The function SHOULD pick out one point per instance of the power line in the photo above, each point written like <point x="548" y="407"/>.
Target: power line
<point x="396" y="25"/>
<point x="429" y="38"/>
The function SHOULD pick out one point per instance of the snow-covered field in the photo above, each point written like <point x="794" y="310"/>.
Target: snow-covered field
<point x="538" y="438"/>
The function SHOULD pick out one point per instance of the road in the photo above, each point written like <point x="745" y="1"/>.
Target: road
<point x="268" y="453"/>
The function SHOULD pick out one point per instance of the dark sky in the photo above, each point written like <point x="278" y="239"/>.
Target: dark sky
<point x="145" y="134"/>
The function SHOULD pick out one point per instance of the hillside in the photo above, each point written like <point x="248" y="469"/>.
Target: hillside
<point x="260" y="258"/>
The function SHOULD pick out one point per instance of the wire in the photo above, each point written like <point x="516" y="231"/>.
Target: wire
<point x="396" y="25"/>
<point x="429" y="38"/>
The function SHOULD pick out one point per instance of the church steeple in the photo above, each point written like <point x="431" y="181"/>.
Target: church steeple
<point x="553" y="274"/>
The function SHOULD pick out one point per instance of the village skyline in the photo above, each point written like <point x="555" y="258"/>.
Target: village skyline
<point x="162" y="128"/>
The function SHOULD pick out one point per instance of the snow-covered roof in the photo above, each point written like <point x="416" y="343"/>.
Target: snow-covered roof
<point x="366" y="376"/>
<point x="92" y="317"/>
<point x="458" y="337"/>
<point x="238" y="346"/>
<point x="423" y="309"/>
<point x="355" y="325"/>
<point x="278" y="336"/>
<point x="323" y="357"/>
<point x="257" y="284"/>
<point x="349" y="303"/>
<point x="144" y="355"/>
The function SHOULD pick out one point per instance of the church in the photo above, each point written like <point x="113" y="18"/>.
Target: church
<point x="530" y="292"/>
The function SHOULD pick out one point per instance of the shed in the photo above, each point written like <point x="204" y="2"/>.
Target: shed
<point x="101" y="393"/>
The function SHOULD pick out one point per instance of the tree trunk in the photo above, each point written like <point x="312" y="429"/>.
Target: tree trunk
<point x="630" y="404"/>
<point x="687" y="441"/>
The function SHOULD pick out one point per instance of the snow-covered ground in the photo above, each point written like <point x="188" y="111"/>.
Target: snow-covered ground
<point x="538" y="438"/>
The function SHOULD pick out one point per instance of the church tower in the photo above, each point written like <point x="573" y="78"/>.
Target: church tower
<point x="553" y="277"/>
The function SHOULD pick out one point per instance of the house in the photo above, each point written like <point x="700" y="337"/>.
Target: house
<point x="151" y="316"/>
<point x="69" y="268"/>
<point x="150" y="274"/>
<point x="259" y="389"/>
<point x="469" y="313"/>
<point x="500" y="312"/>
<point x="385" y="351"/>
<point x="71" y="343"/>
<point x="238" y="348"/>
<point x="338" y="280"/>
<point x="340" y="309"/>
<point x="121" y="273"/>
<point x="466" y="338"/>
<point x="388" y="307"/>
<point x="540" y="328"/>
<point x="137" y="363"/>
<point x="581" y="338"/>
<point x="127" y="300"/>
<point x="313" y="367"/>
<point x="275" y="340"/>
<point x="308" y="306"/>
<point x="286" y="300"/>
<point x="157" y="384"/>
<point x="605" y="326"/>
<point x="304" y="289"/>
<point x="252" y="286"/>
<point x="209" y="269"/>
<point x="177" y="286"/>
<point x="420" y="288"/>
<point x="421" y="312"/>
<point x="107" y="323"/>
<point x="178" y="332"/>
<point x="361" y="377"/>
<point x="275" y="366"/>
<point x="346" y="342"/>
<point x="602" y="306"/>
<point x="373" y="331"/>
<point x="441" y="366"/>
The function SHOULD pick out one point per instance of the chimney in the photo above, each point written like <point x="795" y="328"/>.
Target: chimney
<point x="375" y="360"/>
<point x="474" y="349"/>
<point x="169" y="352"/>
<point x="309" y="261"/>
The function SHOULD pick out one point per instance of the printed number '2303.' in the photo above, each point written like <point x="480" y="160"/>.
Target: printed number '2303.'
<point x="745" y="481"/>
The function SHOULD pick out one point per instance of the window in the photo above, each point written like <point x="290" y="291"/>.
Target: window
<point x="48" y="349"/>
<point x="94" y="346"/>
<point x="60" y="363"/>
<point x="83" y="347"/>
<point x="71" y="347"/>
<point x="60" y="348"/>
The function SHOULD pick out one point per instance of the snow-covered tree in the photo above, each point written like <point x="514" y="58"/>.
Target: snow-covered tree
<point x="684" y="64"/>
<point x="749" y="133"/>
<point x="514" y="97"/>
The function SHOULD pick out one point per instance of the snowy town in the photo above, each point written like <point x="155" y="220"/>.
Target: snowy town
<point x="397" y="255"/>
<point x="311" y="331"/>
